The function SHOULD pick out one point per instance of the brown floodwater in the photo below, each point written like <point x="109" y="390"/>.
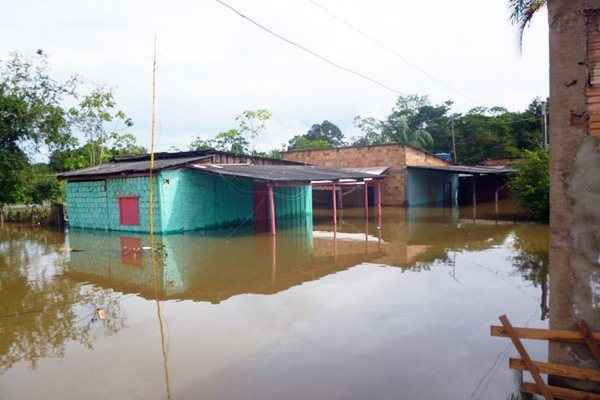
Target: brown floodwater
<point x="400" y="312"/>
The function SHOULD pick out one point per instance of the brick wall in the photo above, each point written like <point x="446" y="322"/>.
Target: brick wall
<point x="419" y="158"/>
<point x="395" y="156"/>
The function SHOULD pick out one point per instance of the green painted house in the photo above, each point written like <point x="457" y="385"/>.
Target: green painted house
<point x="192" y="191"/>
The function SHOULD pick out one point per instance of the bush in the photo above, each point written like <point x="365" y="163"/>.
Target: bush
<point x="531" y="184"/>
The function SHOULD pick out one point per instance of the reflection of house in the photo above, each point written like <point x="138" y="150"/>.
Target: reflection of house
<point x="191" y="192"/>
<point x="215" y="267"/>
<point x="414" y="177"/>
<point x="200" y="267"/>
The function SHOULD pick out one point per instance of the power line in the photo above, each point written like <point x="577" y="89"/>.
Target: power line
<point x="306" y="50"/>
<point x="389" y="49"/>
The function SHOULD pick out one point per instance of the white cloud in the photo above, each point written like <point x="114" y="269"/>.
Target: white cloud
<point x="213" y="64"/>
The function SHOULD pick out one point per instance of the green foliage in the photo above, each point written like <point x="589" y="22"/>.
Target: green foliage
<point x="231" y="140"/>
<point x="522" y="12"/>
<point x="413" y="121"/>
<point x="531" y="184"/>
<point x="319" y="136"/>
<point x="480" y="134"/>
<point x="301" y="142"/>
<point x="252" y="123"/>
<point x="101" y="122"/>
<point x="31" y="115"/>
<point x="73" y="158"/>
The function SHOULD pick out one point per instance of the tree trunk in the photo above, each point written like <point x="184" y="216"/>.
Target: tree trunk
<point x="575" y="181"/>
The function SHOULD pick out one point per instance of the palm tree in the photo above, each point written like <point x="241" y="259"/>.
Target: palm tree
<point x="522" y="12"/>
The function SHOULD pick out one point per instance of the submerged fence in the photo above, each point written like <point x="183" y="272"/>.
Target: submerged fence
<point x="35" y="214"/>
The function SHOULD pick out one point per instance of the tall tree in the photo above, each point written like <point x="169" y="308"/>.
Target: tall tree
<point x="252" y="123"/>
<point x="98" y="118"/>
<point x="319" y="136"/>
<point x="31" y="116"/>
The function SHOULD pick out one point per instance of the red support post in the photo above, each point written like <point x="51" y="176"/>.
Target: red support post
<point x="379" y="203"/>
<point x="272" y="210"/>
<point x="366" y="200"/>
<point x="334" y="199"/>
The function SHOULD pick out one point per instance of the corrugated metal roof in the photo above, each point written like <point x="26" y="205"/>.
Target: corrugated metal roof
<point x="467" y="169"/>
<point x="130" y="167"/>
<point x="283" y="173"/>
<point x="200" y="153"/>
<point x="368" y="170"/>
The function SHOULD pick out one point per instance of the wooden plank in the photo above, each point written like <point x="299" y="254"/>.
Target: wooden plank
<point x="531" y="367"/>
<point x="567" y="371"/>
<point x="591" y="344"/>
<point x="544" y="334"/>
<point x="560" y="393"/>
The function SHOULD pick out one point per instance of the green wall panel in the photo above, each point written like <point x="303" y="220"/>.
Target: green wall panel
<point x="427" y="187"/>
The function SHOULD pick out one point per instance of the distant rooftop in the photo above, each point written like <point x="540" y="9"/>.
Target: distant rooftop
<point x="198" y="153"/>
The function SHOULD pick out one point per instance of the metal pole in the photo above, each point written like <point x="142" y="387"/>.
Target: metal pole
<point x="496" y="199"/>
<point x="474" y="198"/>
<point x="455" y="157"/>
<point x="272" y="210"/>
<point x="366" y="200"/>
<point x="379" y="203"/>
<point x="273" y="259"/>
<point x="334" y="199"/>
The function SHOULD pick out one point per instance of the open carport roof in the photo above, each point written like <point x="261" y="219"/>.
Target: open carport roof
<point x="284" y="173"/>
<point x="467" y="169"/>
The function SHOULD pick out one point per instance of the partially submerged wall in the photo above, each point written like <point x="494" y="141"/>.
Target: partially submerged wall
<point x="95" y="204"/>
<point x="426" y="187"/>
<point x="184" y="200"/>
<point x="395" y="156"/>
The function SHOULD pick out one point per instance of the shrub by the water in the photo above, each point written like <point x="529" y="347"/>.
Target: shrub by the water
<point x="531" y="184"/>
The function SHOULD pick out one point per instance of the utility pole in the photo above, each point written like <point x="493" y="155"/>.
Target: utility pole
<point x="455" y="157"/>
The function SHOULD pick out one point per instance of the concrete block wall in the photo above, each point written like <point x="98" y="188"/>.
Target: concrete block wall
<point x="95" y="204"/>
<point x="86" y="204"/>
<point x="135" y="187"/>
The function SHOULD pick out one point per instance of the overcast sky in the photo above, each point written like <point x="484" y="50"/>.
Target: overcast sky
<point x="214" y="64"/>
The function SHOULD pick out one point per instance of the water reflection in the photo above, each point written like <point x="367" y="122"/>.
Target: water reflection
<point x="40" y="312"/>
<point x="225" y="293"/>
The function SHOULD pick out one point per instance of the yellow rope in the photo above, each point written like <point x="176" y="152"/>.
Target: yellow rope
<point x="154" y="250"/>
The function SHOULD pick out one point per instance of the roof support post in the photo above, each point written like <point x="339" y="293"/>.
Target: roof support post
<point x="334" y="201"/>
<point x="474" y="197"/>
<point x="379" y="187"/>
<point x="366" y="200"/>
<point x="272" y="209"/>
<point x="496" y="198"/>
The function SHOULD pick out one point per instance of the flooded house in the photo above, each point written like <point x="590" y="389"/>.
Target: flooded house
<point x="198" y="190"/>
<point x="413" y="177"/>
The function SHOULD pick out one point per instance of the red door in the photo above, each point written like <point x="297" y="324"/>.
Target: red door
<point x="129" y="210"/>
